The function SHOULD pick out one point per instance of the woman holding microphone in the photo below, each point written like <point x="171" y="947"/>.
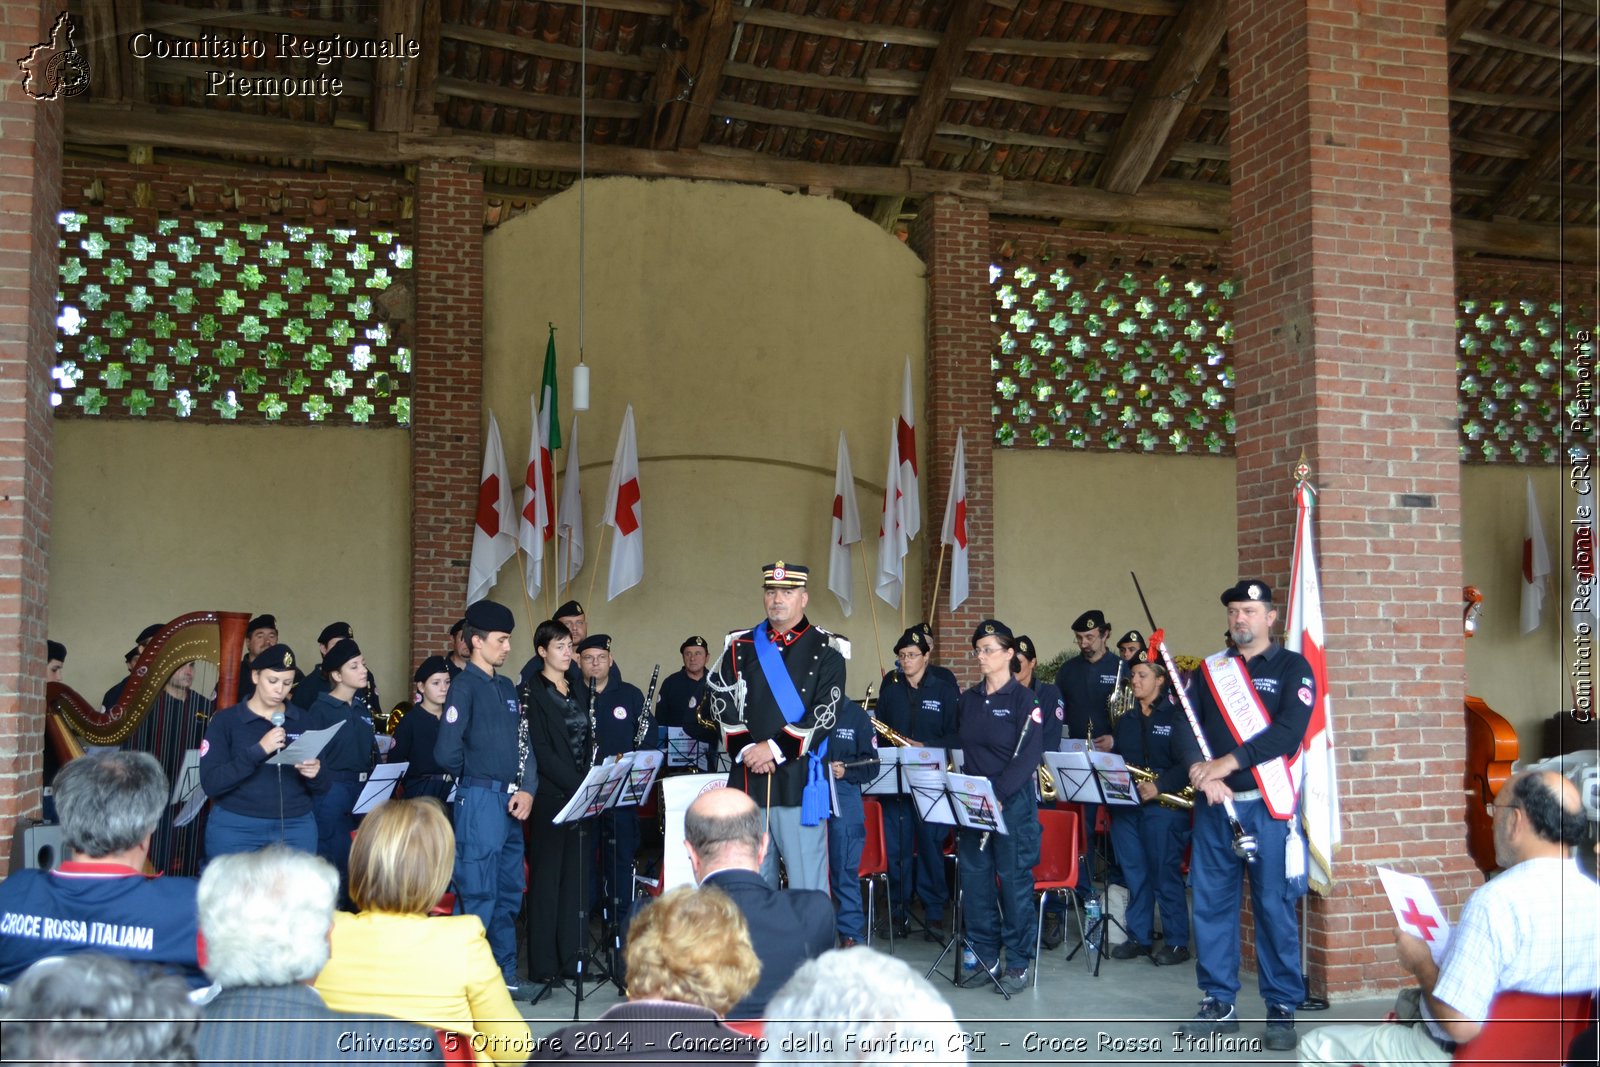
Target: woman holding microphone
<point x="255" y="803"/>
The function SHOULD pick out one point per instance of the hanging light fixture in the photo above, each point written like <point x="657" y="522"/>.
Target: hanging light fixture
<point x="580" y="373"/>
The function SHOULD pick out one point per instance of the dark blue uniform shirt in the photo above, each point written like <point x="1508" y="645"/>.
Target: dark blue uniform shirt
<point x="616" y="716"/>
<point x="680" y="698"/>
<point x="925" y="713"/>
<point x="1287" y="688"/>
<point x="1085" y="687"/>
<point x="414" y="739"/>
<point x="990" y="725"/>
<point x="235" y="773"/>
<point x="348" y="752"/>
<point x="853" y="741"/>
<point x="1161" y="742"/>
<point x="478" y="734"/>
<point x="1054" y="709"/>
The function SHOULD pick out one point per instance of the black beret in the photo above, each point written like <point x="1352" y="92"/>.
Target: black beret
<point x="56" y="650"/>
<point x="148" y="632"/>
<point x="1250" y="589"/>
<point x="781" y="575"/>
<point x="1090" y="620"/>
<point x="602" y="641"/>
<point x="992" y="628"/>
<point x="1131" y="637"/>
<point x="490" y="617"/>
<point x="276" y="658"/>
<point x="431" y="666"/>
<point x="570" y="610"/>
<point x="694" y="642"/>
<point x="912" y="637"/>
<point x="456" y="626"/>
<point x="335" y="630"/>
<point x="131" y="655"/>
<point x="261" y="622"/>
<point x="1025" y="647"/>
<point x="925" y="629"/>
<point x="343" y="651"/>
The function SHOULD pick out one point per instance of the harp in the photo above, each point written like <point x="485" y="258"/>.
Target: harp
<point x="210" y="636"/>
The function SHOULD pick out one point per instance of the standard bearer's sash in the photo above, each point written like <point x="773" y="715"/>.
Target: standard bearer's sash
<point x="1246" y="717"/>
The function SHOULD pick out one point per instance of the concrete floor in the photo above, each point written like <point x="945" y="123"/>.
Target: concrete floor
<point x="1125" y="1016"/>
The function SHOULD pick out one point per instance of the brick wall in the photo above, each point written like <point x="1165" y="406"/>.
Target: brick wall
<point x="447" y="375"/>
<point x="952" y="237"/>
<point x="30" y="180"/>
<point x="1344" y="346"/>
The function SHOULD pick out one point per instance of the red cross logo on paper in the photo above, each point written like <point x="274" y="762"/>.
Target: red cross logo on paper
<point x="488" y="498"/>
<point x="1414" y="917"/>
<point x="627" y="497"/>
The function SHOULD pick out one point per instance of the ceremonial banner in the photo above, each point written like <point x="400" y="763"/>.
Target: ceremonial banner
<point x="954" y="532"/>
<point x="493" y="538"/>
<point x="535" y="523"/>
<point x="1535" y="566"/>
<point x="569" y="521"/>
<point x="1319" y="806"/>
<point x="905" y="433"/>
<point x="891" y="533"/>
<point x="624" y="515"/>
<point x="846" y="529"/>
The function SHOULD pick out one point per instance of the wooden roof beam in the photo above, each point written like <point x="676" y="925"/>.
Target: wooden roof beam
<point x="1463" y="13"/>
<point x="1562" y="131"/>
<point x="705" y="83"/>
<point x="393" y="81"/>
<point x="1190" y="44"/>
<point x="947" y="61"/>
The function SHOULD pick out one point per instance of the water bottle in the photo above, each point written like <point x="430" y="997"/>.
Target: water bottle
<point x="1091" y="914"/>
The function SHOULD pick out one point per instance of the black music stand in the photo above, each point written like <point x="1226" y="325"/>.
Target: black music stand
<point x="1090" y="777"/>
<point x="644" y="768"/>
<point x="967" y="806"/>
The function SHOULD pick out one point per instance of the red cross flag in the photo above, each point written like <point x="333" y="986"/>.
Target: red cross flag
<point x="891" y="532"/>
<point x="846" y="528"/>
<point x="535" y="523"/>
<point x="494" y="538"/>
<point x="954" y="532"/>
<point x="905" y="435"/>
<point x="1319" y="804"/>
<point x="1535" y="566"/>
<point x="623" y="514"/>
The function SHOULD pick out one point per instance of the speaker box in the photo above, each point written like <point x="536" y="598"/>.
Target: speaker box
<point x="37" y="845"/>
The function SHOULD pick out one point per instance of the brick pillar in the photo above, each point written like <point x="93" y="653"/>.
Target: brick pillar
<point x="447" y="372"/>
<point x="1344" y="348"/>
<point x="952" y="237"/>
<point x="30" y="197"/>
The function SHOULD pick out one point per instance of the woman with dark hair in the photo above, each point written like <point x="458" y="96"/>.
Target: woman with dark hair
<point x="1001" y="731"/>
<point x="348" y="756"/>
<point x="1149" y="839"/>
<point x="561" y="734"/>
<point x="414" y="738"/>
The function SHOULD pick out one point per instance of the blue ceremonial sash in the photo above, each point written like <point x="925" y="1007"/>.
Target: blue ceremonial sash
<point x="814" y="801"/>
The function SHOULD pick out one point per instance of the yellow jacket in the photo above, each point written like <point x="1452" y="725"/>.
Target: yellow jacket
<point x="437" y="971"/>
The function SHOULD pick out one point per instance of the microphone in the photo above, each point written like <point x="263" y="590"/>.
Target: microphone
<point x="277" y="717"/>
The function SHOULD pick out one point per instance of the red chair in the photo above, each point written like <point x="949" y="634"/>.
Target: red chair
<point x="749" y="1027"/>
<point x="1057" y="871"/>
<point x="874" y="865"/>
<point x="455" y="1048"/>
<point x="1525" y="1028"/>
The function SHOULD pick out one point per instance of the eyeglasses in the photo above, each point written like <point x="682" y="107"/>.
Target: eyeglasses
<point x="980" y="651"/>
<point x="1493" y="809"/>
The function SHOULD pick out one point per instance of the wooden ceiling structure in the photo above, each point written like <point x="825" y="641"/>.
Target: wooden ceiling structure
<point x="1094" y="114"/>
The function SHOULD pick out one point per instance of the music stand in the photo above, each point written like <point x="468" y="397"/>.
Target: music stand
<point x="1085" y="776"/>
<point x="597" y="792"/>
<point x="646" y="767"/>
<point x="964" y="801"/>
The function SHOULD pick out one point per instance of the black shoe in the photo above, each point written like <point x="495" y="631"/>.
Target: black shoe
<point x="1128" y="950"/>
<point x="1280" y="1028"/>
<point x="1014" y="979"/>
<point x="1169" y="955"/>
<point x="902" y="928"/>
<point x="1054" y="932"/>
<point x="935" y="932"/>
<point x="1214" y="1017"/>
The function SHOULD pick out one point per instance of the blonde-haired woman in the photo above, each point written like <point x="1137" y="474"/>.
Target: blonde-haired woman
<point x="689" y="960"/>
<point x="393" y="959"/>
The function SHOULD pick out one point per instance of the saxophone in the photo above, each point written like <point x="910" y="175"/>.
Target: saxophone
<point x="1182" y="800"/>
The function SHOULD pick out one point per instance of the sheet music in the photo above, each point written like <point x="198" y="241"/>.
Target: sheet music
<point x="1116" y="784"/>
<point x="1416" y="909"/>
<point x="977" y="807"/>
<point x="308" y="745"/>
<point x="379" y="786"/>
<point x="598" y="790"/>
<point x="929" y="793"/>
<point x="886" y="779"/>
<point x="188" y="779"/>
<point x="641" y="776"/>
<point x="683" y="750"/>
<point x="1075" y="778"/>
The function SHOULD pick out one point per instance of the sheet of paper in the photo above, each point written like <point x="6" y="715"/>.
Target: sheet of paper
<point x="886" y="779"/>
<point x="1075" y="780"/>
<point x="188" y="779"/>
<point x="641" y="776"/>
<point x="977" y="808"/>
<point x="1416" y="909"/>
<point x="928" y="792"/>
<point x="308" y="745"/>
<point x="683" y="750"/>
<point x="191" y="807"/>
<point x="1116" y="784"/>
<point x="379" y="786"/>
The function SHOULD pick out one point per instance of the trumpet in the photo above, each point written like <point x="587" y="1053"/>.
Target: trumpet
<point x="1182" y="800"/>
<point x="890" y="734"/>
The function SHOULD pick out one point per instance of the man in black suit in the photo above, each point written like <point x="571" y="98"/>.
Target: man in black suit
<point x="723" y="831"/>
<point x="265" y="921"/>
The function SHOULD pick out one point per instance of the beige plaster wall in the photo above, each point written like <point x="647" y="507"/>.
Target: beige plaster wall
<point x="1070" y="526"/>
<point x="152" y="520"/>
<point x="747" y="327"/>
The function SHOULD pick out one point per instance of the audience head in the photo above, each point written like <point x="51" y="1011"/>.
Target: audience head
<point x="722" y="829"/>
<point x="870" y="1007"/>
<point x="92" y="1008"/>
<point x="110" y="803"/>
<point x="1538" y="814"/>
<point x="265" y="917"/>
<point x="402" y="857"/>
<point x="692" y="946"/>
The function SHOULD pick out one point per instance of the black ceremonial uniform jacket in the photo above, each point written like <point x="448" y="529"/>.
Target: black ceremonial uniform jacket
<point x="817" y="669"/>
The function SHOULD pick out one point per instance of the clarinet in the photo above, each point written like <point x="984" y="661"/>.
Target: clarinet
<point x="594" y="730"/>
<point x="649" y="704"/>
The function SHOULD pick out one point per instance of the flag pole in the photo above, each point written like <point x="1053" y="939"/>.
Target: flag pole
<point x="522" y="566"/>
<point x="938" y="572"/>
<point x="877" y="641"/>
<point x="596" y="571"/>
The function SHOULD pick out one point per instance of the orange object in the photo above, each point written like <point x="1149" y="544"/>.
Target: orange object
<point x="1525" y="1028"/>
<point x="1492" y="747"/>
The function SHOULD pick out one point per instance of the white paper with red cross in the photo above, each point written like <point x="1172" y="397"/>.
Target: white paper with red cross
<point x="1416" y="909"/>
